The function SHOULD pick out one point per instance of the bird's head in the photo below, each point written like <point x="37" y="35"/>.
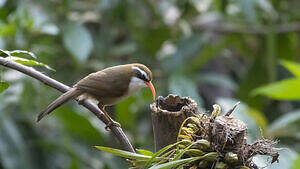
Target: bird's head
<point x="141" y="77"/>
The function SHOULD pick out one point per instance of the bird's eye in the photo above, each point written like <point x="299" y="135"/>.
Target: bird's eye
<point x="141" y="74"/>
<point x="145" y="78"/>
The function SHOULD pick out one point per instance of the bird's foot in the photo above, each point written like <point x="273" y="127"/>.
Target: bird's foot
<point x="112" y="123"/>
<point x="80" y="101"/>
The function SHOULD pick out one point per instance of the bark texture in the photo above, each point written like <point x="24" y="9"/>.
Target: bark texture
<point x="167" y="116"/>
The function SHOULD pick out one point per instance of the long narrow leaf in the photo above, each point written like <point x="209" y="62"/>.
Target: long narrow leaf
<point x="181" y="152"/>
<point x="287" y="89"/>
<point x="123" y="153"/>
<point x="28" y="62"/>
<point x="22" y="53"/>
<point x="175" y="163"/>
<point x="145" y="152"/>
<point x="161" y="151"/>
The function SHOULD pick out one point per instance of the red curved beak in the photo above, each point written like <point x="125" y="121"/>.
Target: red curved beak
<point x="150" y="85"/>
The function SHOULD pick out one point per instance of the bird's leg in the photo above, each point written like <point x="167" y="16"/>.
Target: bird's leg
<point x="111" y="121"/>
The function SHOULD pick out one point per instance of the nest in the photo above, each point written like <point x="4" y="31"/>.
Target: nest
<point x="221" y="139"/>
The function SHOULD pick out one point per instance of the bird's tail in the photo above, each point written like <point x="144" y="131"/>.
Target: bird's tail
<point x="71" y="94"/>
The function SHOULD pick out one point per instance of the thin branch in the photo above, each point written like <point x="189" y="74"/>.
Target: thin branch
<point x="232" y="109"/>
<point x="117" y="132"/>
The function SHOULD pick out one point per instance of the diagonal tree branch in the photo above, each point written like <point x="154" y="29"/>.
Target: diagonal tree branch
<point x="117" y="132"/>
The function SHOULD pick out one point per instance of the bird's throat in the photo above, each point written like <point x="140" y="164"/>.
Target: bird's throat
<point x="134" y="85"/>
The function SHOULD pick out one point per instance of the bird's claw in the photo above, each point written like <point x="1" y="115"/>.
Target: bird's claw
<point x="112" y="123"/>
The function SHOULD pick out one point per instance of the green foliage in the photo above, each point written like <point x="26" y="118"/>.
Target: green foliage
<point x="22" y="54"/>
<point x="175" y="163"/>
<point x="145" y="152"/>
<point x="29" y="62"/>
<point x="283" y="90"/>
<point x="297" y="163"/>
<point x="147" y="159"/>
<point x="3" y="86"/>
<point x="287" y="89"/>
<point x="4" y="53"/>
<point x="218" y="51"/>
<point x="125" y="154"/>
<point x="17" y="56"/>
<point x="293" y="67"/>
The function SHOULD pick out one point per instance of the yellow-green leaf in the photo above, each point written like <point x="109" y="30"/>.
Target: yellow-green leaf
<point x="175" y="163"/>
<point x="123" y="153"/>
<point x="293" y="67"/>
<point x="296" y="163"/>
<point x="4" y="53"/>
<point x="3" y="86"/>
<point x="28" y="62"/>
<point x="22" y="53"/>
<point x="283" y="90"/>
<point x="258" y="116"/>
<point x="145" y="152"/>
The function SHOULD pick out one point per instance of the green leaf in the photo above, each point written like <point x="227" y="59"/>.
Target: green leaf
<point x="296" y="163"/>
<point x="4" y="53"/>
<point x="28" y="62"/>
<point x="17" y="53"/>
<point x="123" y="153"/>
<point x="181" y="152"/>
<point x="293" y="67"/>
<point x="175" y="163"/>
<point x="22" y="53"/>
<point x="283" y="90"/>
<point x="259" y="117"/>
<point x="145" y="152"/>
<point x="159" y="152"/>
<point x="3" y="86"/>
<point x="77" y="40"/>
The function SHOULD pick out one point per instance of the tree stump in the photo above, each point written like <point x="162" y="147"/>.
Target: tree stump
<point x="167" y="116"/>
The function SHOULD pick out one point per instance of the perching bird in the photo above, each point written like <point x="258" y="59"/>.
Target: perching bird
<point x="108" y="87"/>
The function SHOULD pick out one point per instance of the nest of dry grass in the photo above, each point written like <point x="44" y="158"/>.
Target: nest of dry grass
<point x="224" y="137"/>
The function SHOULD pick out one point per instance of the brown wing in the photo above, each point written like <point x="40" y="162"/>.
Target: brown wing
<point x="107" y="83"/>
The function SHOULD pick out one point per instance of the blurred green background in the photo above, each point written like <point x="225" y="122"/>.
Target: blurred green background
<point x="213" y="51"/>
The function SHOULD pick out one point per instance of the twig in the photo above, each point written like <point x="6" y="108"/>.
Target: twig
<point x="117" y="132"/>
<point x="232" y="109"/>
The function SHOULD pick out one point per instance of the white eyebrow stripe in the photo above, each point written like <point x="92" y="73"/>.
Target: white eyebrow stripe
<point x="141" y="71"/>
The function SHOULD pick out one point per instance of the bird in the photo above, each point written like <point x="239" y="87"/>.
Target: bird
<point x="108" y="87"/>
